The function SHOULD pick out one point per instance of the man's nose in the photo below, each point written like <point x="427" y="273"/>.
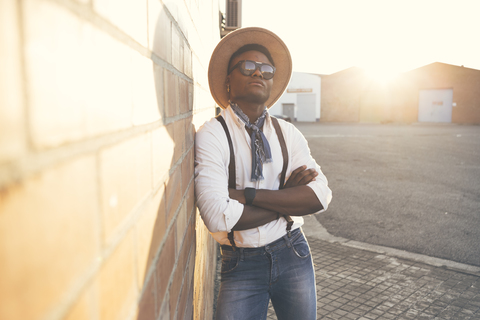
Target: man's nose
<point x="257" y="73"/>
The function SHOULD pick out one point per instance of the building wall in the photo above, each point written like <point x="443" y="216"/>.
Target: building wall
<point x="99" y="101"/>
<point x="306" y="82"/>
<point x="340" y="96"/>
<point x="465" y="83"/>
<point x="350" y="96"/>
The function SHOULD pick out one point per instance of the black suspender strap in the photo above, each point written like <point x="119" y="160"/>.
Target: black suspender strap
<point x="283" y="145"/>
<point x="281" y="139"/>
<point x="232" y="184"/>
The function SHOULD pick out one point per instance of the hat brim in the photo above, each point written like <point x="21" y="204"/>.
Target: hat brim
<point x="217" y="69"/>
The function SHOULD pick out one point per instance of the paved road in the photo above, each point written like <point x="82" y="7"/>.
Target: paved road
<point x="410" y="187"/>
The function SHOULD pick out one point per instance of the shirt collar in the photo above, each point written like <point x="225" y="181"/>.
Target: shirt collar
<point x="240" y="124"/>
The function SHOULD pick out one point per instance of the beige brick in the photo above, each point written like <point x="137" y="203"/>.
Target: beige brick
<point x="130" y="16"/>
<point x="150" y="231"/>
<point x="190" y="200"/>
<point x="116" y="281"/>
<point x="190" y="96"/>
<point x="190" y="239"/>
<point x="189" y="307"/>
<point x="162" y="152"/>
<point x="86" y="306"/>
<point x="187" y="170"/>
<point x="189" y="133"/>
<point x="171" y="94"/>
<point x="125" y="173"/>
<point x="79" y="78"/>
<point x="158" y="74"/>
<point x="182" y="304"/>
<point x="54" y="80"/>
<point x="49" y="236"/>
<point x="159" y="31"/>
<point x="187" y="62"/>
<point x="165" y="265"/>
<point x="184" y="20"/>
<point x="164" y="313"/>
<point x="172" y="6"/>
<point x="175" y="288"/>
<point x="200" y="118"/>
<point x="173" y="193"/>
<point x="146" y="307"/>
<point x="195" y="43"/>
<point x="203" y="99"/>
<point x="183" y="95"/>
<point x="200" y="72"/>
<point x="180" y="281"/>
<point x="179" y="138"/>
<point x="109" y="85"/>
<point x="145" y="107"/>
<point x="181" y="225"/>
<point x="177" y="50"/>
<point x="12" y="116"/>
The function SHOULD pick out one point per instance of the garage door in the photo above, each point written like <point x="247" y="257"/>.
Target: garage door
<point x="306" y="107"/>
<point x="435" y="105"/>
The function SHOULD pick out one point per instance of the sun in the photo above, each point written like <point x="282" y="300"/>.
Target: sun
<point x="380" y="74"/>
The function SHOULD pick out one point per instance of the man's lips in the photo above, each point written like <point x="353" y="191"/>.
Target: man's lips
<point x="257" y="83"/>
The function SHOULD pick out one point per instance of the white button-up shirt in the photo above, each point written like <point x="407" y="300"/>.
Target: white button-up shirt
<point x="212" y="157"/>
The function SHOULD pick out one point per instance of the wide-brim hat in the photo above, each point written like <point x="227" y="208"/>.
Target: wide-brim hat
<point x="218" y="67"/>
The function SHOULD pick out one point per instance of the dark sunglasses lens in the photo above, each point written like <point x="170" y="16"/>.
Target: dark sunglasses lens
<point x="249" y="66"/>
<point x="267" y="71"/>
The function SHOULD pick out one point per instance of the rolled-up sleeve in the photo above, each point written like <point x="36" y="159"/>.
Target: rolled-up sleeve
<point x="301" y="156"/>
<point x="218" y="211"/>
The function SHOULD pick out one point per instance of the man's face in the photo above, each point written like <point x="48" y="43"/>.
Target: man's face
<point x="254" y="88"/>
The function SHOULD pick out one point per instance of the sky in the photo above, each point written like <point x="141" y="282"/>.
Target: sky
<point x="382" y="36"/>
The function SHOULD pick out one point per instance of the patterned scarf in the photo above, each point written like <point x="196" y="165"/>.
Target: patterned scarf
<point x="260" y="147"/>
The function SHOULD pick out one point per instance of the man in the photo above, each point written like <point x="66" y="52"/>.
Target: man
<point x="242" y="159"/>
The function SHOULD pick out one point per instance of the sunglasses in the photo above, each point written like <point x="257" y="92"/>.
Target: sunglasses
<point x="248" y="67"/>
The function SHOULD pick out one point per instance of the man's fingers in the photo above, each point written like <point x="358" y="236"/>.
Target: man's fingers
<point x="308" y="177"/>
<point x="298" y="170"/>
<point x="301" y="176"/>
<point x="296" y="176"/>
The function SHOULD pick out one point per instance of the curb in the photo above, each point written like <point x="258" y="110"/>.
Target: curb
<point x="313" y="228"/>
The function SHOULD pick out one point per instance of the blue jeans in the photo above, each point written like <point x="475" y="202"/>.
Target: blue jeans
<point x="281" y="271"/>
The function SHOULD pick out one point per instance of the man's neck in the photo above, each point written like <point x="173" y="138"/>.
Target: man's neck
<point x="252" y="110"/>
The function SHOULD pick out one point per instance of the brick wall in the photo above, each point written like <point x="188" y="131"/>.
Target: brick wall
<point x="465" y="83"/>
<point x="340" y="93"/>
<point x="99" y="101"/>
<point x="350" y="96"/>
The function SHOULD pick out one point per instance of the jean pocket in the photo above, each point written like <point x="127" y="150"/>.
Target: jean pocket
<point x="301" y="248"/>
<point x="229" y="264"/>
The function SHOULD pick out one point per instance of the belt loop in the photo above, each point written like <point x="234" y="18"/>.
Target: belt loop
<point x="242" y="256"/>
<point x="289" y="233"/>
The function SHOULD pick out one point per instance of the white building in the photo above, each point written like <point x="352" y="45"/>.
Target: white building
<point x="301" y="101"/>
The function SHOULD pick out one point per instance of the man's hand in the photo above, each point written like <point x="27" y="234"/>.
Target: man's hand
<point x="301" y="177"/>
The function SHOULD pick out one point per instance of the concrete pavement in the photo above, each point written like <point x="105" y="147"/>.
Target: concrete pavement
<point x="360" y="281"/>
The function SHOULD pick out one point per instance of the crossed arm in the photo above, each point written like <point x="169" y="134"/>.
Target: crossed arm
<point x="295" y="199"/>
